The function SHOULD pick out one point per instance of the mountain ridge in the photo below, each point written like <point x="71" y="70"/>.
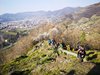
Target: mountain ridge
<point x="76" y="12"/>
<point x="21" y="16"/>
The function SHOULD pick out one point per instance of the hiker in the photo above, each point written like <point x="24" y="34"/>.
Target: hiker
<point x="81" y="53"/>
<point x="56" y="48"/>
<point x="49" y="41"/>
<point x="63" y="45"/>
<point x="53" y="43"/>
<point x="77" y="47"/>
<point x="57" y="44"/>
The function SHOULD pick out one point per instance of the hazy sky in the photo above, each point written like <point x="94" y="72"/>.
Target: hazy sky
<point x="14" y="6"/>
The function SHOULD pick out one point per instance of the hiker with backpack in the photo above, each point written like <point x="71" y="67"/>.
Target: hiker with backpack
<point x="55" y="46"/>
<point x="53" y="43"/>
<point x="81" y="53"/>
<point x="63" y="45"/>
<point x="49" y="41"/>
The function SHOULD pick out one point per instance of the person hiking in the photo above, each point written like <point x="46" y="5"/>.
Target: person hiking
<point x="58" y="44"/>
<point x="81" y="53"/>
<point x="49" y="41"/>
<point x="77" y="47"/>
<point x="63" y="46"/>
<point x="56" y="48"/>
<point x="53" y="43"/>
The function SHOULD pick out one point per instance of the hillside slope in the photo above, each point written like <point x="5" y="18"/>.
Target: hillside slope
<point x="43" y="61"/>
<point x="88" y="11"/>
<point x="23" y="58"/>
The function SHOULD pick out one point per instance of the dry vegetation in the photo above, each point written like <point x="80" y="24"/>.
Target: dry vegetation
<point x="24" y="44"/>
<point x="86" y="31"/>
<point x="44" y="61"/>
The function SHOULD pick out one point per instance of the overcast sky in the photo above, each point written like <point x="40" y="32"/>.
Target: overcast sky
<point x="15" y="6"/>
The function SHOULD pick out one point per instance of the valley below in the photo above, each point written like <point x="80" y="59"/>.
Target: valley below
<point x="24" y="48"/>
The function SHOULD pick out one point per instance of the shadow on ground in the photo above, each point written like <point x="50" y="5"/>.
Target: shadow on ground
<point x="21" y="57"/>
<point x="91" y="55"/>
<point x="26" y="72"/>
<point x="95" y="70"/>
<point x="72" y="72"/>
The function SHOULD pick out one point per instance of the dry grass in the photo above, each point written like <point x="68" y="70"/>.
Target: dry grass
<point x="24" y="44"/>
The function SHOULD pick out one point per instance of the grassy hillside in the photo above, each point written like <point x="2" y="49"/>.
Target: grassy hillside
<point x="43" y="61"/>
<point x="24" y="44"/>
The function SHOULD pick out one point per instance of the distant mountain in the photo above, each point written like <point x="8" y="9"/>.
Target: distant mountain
<point x="66" y="11"/>
<point x="19" y="16"/>
<point x="75" y="12"/>
<point x="29" y="19"/>
<point x="27" y="15"/>
<point x="88" y="11"/>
